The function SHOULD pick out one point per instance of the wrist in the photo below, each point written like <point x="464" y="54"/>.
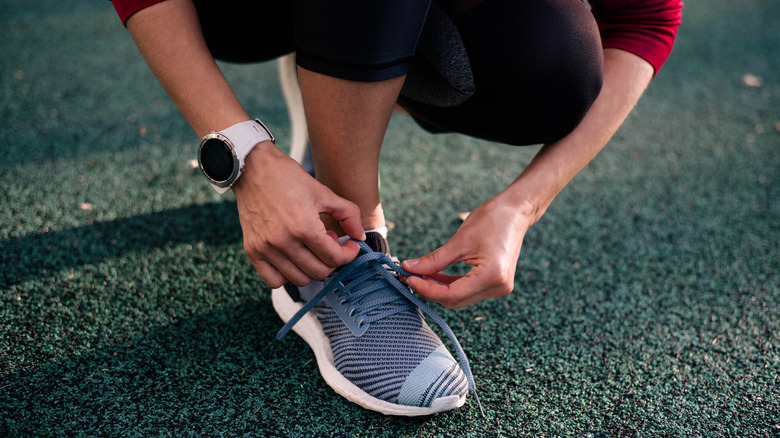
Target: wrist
<point x="222" y="154"/>
<point x="505" y="209"/>
<point x="257" y="162"/>
<point x="528" y="209"/>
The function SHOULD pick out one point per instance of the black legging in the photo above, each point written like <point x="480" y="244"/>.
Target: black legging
<point x="530" y="69"/>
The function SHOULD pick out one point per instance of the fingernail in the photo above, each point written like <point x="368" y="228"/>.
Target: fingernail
<point x="413" y="262"/>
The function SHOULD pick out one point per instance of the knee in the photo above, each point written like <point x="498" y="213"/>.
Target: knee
<point x="549" y="71"/>
<point x="564" y="70"/>
<point x="563" y="94"/>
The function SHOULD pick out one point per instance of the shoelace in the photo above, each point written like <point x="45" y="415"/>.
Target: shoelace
<point x="373" y="306"/>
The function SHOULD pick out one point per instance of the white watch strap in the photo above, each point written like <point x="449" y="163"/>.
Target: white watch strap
<point x="244" y="136"/>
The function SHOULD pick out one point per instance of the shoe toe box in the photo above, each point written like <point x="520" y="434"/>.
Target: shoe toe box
<point x="438" y="377"/>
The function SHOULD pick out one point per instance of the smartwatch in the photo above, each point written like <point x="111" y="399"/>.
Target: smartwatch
<point x="221" y="154"/>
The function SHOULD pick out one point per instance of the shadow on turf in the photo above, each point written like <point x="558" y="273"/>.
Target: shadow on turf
<point x="36" y="255"/>
<point x="200" y="375"/>
<point x="157" y="380"/>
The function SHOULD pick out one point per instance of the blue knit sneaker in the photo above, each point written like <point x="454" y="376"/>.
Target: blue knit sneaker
<point x="370" y="340"/>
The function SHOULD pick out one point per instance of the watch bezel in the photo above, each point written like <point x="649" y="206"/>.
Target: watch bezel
<point x="236" y="161"/>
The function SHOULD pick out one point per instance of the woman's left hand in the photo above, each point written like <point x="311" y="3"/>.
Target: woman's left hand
<point x="489" y="240"/>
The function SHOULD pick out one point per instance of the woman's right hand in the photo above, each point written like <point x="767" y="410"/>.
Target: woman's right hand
<point x="279" y="206"/>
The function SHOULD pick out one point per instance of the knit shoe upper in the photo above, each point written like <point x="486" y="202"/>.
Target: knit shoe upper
<point x="379" y="339"/>
<point x="397" y="359"/>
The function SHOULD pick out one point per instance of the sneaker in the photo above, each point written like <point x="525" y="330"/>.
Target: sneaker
<point x="370" y="339"/>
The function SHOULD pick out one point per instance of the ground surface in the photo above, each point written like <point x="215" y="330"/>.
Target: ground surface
<point x="647" y="301"/>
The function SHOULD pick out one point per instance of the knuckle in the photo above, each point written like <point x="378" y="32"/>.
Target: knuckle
<point x="300" y="227"/>
<point x="340" y="256"/>
<point x="274" y="283"/>
<point x="448" y="303"/>
<point x="506" y="284"/>
<point x="451" y="303"/>
<point x="261" y="249"/>
<point x="273" y="239"/>
<point x="249" y="249"/>
<point x="321" y="273"/>
<point x="300" y="280"/>
<point x="505" y="289"/>
<point x="329" y="261"/>
<point x="353" y="208"/>
<point x="252" y="249"/>
<point x="494" y="275"/>
<point x="501" y="274"/>
<point x="269" y="274"/>
<point x="434" y="256"/>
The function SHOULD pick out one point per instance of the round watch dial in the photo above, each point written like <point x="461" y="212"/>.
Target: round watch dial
<point x="217" y="160"/>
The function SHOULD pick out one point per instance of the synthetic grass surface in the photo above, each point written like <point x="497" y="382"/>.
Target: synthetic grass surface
<point x="646" y="302"/>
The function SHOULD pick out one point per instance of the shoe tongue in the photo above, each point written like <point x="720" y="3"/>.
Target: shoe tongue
<point x="376" y="242"/>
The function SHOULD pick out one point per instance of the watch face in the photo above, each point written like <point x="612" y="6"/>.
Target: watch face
<point x="216" y="160"/>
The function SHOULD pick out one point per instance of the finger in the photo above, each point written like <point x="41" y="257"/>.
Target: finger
<point x="439" y="277"/>
<point x="292" y="273"/>
<point x="287" y="268"/>
<point x="459" y="293"/>
<point x="463" y="291"/>
<point x="444" y="278"/>
<point x="272" y="277"/>
<point x="346" y="213"/>
<point x="431" y="289"/>
<point x="330" y="252"/>
<point x="433" y="262"/>
<point x="310" y="264"/>
<point x="332" y="234"/>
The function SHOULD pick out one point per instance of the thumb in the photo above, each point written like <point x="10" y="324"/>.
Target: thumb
<point x="433" y="262"/>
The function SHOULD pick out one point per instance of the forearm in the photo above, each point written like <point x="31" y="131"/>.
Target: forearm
<point x="169" y="37"/>
<point x="625" y="78"/>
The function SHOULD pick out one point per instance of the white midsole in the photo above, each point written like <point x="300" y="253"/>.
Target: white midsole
<point x="310" y="330"/>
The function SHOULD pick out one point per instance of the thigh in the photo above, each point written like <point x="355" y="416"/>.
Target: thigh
<point x="536" y="68"/>
<point x="247" y="31"/>
<point x="361" y="40"/>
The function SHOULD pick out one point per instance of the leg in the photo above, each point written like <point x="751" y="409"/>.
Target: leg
<point x="353" y="56"/>
<point x="536" y="67"/>
<point x="347" y="121"/>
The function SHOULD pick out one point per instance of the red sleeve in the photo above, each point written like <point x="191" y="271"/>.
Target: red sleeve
<point x="646" y="28"/>
<point x="126" y="8"/>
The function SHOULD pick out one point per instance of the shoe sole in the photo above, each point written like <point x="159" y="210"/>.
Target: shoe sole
<point x="310" y="330"/>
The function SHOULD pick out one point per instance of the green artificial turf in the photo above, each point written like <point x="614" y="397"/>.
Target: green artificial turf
<point x="647" y="300"/>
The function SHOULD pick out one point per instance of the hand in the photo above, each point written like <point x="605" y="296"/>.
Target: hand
<point x="279" y="206"/>
<point x="491" y="236"/>
<point x="489" y="240"/>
